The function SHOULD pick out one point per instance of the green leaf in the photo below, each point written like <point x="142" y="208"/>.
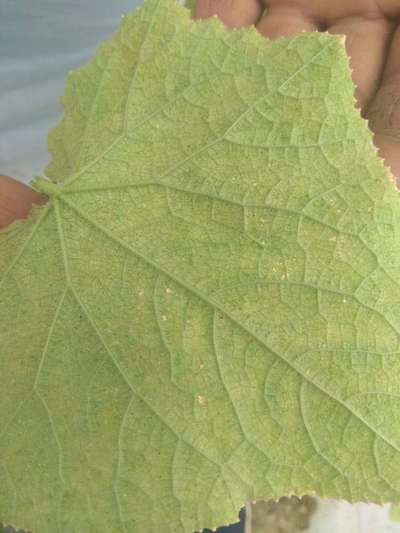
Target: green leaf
<point x="207" y="310"/>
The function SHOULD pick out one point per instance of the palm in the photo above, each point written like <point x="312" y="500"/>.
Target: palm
<point x="372" y="41"/>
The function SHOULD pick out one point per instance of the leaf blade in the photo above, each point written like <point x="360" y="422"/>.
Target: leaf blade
<point x="212" y="283"/>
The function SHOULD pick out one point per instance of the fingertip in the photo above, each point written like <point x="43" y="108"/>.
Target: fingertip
<point x="285" y="20"/>
<point x="16" y="200"/>
<point x="233" y="13"/>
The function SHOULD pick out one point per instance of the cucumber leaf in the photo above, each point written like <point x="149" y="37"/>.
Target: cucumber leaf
<point x="207" y="310"/>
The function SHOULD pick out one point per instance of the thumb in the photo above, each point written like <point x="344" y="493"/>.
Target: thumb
<point x="16" y="200"/>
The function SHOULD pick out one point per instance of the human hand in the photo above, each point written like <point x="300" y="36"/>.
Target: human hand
<point x="372" y="41"/>
<point x="16" y="200"/>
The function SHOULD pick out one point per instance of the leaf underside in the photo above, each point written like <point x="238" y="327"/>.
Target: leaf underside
<point x="207" y="311"/>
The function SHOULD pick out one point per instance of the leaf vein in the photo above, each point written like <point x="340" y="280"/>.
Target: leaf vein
<point x="228" y="315"/>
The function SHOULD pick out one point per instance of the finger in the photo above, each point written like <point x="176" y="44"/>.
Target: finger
<point x="384" y="112"/>
<point x="234" y="13"/>
<point x="329" y="12"/>
<point x="16" y="200"/>
<point x="390" y="8"/>
<point x="282" y="20"/>
<point x="366" y="43"/>
<point x="392" y="66"/>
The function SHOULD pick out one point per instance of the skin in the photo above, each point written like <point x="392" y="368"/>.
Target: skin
<point x="372" y="30"/>
<point x="16" y="200"/>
